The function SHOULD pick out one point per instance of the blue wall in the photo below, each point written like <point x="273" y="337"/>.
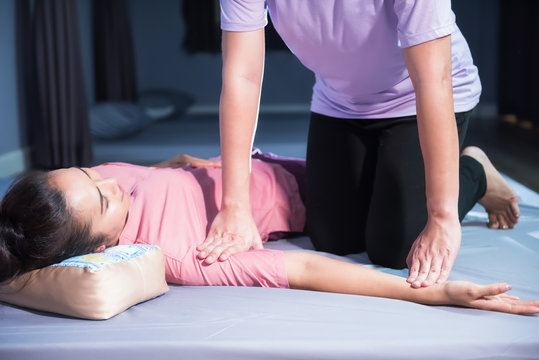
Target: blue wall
<point x="159" y="30"/>
<point x="161" y="61"/>
<point x="9" y="114"/>
<point x="479" y="22"/>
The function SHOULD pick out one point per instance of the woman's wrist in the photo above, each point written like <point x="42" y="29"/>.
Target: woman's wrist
<point x="432" y="295"/>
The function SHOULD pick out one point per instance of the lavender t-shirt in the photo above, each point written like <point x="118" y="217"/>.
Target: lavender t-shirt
<point x="354" y="47"/>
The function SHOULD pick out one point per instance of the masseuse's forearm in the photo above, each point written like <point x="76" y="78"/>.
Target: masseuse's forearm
<point x="429" y="66"/>
<point x="440" y="148"/>
<point x="309" y="271"/>
<point x="243" y="62"/>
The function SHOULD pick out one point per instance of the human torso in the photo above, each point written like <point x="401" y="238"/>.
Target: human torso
<point x="354" y="47"/>
<point x="172" y="208"/>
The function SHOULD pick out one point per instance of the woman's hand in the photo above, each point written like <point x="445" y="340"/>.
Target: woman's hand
<point x="433" y="253"/>
<point x="232" y="231"/>
<point x="488" y="297"/>
<point x="184" y="160"/>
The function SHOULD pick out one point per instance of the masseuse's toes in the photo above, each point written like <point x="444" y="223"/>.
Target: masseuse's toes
<point x="500" y="201"/>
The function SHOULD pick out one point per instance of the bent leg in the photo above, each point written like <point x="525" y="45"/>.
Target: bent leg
<point x="398" y="211"/>
<point x="499" y="199"/>
<point x="339" y="184"/>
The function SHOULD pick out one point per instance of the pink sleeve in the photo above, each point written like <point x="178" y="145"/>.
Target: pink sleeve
<point x="265" y="268"/>
<point x="420" y="21"/>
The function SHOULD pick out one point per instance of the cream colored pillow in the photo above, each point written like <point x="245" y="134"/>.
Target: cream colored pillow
<point x="93" y="286"/>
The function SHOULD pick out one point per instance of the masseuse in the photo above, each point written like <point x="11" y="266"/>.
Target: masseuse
<point x="395" y="86"/>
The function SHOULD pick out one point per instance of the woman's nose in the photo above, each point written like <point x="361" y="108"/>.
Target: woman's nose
<point x="108" y="185"/>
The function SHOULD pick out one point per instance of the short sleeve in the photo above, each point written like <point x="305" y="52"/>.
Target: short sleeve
<point x="264" y="268"/>
<point x="420" y="21"/>
<point x="243" y="15"/>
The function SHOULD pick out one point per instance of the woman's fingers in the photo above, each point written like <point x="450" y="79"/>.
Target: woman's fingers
<point x="492" y="297"/>
<point x="198" y="162"/>
<point x="508" y="297"/>
<point x="508" y="306"/>
<point x="492" y="289"/>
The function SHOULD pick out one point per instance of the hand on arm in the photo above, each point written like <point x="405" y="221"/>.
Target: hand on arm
<point x="234" y="229"/>
<point x="184" y="160"/>
<point x="433" y="253"/>
<point x="315" y="272"/>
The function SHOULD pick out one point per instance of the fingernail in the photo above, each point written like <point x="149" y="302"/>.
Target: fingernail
<point x="505" y="227"/>
<point x="508" y="287"/>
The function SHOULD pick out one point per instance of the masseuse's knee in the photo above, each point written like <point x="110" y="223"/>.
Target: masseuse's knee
<point x="390" y="245"/>
<point x="334" y="239"/>
<point x="388" y="257"/>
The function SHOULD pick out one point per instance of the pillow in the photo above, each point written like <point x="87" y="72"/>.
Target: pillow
<point x="160" y="104"/>
<point x="113" y="120"/>
<point x="94" y="286"/>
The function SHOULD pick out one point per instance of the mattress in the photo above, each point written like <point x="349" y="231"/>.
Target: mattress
<point x="259" y="323"/>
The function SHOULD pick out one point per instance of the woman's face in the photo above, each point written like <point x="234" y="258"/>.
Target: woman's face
<point x="95" y="200"/>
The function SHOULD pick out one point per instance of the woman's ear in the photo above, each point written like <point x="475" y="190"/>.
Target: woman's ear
<point x="100" y="248"/>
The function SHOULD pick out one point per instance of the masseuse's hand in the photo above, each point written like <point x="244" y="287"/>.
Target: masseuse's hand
<point x="184" y="160"/>
<point x="434" y="251"/>
<point x="232" y="231"/>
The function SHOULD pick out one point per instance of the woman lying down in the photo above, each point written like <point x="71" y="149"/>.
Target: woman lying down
<point x="49" y="217"/>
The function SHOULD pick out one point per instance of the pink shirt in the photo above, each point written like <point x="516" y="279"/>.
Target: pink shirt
<point x="354" y="48"/>
<point x="173" y="208"/>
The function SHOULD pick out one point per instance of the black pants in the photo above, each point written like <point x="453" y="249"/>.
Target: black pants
<point x="366" y="186"/>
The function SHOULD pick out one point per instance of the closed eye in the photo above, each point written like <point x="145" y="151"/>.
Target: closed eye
<point x="101" y="197"/>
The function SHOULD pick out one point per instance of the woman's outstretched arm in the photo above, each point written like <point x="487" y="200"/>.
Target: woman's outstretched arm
<point x="309" y="271"/>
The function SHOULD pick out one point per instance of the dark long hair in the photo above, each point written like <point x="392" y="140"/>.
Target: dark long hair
<point x="37" y="228"/>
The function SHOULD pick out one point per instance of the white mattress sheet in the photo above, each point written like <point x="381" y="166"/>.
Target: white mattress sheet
<point x="258" y="323"/>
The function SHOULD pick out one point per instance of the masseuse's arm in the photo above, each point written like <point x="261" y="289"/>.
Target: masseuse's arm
<point x="433" y="253"/>
<point x="234" y="229"/>
<point x="309" y="271"/>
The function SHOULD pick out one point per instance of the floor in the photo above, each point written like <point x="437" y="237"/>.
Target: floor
<point x="513" y="150"/>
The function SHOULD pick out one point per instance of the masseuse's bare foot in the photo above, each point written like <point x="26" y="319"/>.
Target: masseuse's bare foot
<point x="500" y="201"/>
